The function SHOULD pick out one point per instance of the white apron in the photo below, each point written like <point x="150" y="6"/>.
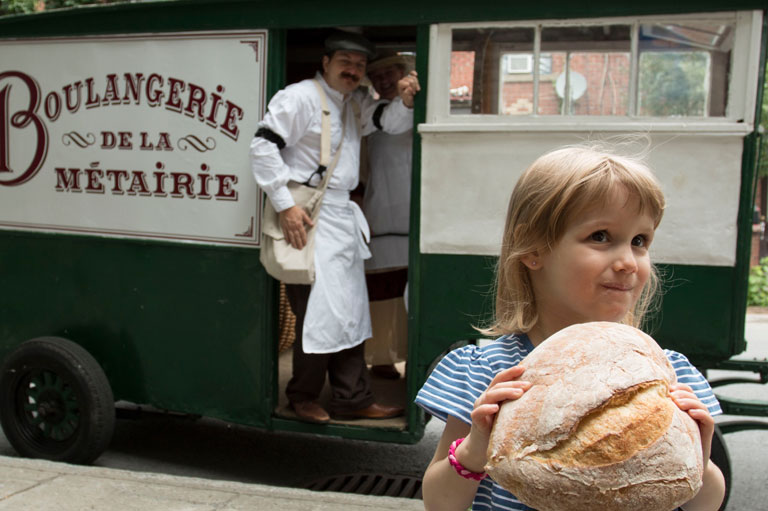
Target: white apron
<point x="337" y="313"/>
<point x="387" y="200"/>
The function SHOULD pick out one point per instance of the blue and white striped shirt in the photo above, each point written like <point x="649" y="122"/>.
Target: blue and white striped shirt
<point x="465" y="373"/>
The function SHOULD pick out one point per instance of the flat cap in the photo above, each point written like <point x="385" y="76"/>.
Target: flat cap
<point x="350" y="41"/>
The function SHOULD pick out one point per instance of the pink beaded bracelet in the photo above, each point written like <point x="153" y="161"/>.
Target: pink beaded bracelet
<point x="463" y="472"/>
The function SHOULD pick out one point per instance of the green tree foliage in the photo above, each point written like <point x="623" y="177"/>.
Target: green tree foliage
<point x="16" y="6"/>
<point x="28" y="6"/>
<point x="762" y="167"/>
<point x="757" y="292"/>
<point x="673" y="83"/>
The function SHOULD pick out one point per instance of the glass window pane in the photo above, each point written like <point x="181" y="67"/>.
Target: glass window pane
<point x="591" y="64"/>
<point x="462" y="76"/>
<point x="516" y="84"/>
<point x="684" y="69"/>
<point x="491" y="71"/>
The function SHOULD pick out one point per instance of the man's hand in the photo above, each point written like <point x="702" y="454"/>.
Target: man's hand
<point x="407" y="87"/>
<point x="292" y="221"/>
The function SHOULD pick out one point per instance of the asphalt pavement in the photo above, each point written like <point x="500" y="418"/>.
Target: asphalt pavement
<point x="36" y="485"/>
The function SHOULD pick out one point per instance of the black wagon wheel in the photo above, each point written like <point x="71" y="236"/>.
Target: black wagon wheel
<point x="722" y="459"/>
<point x="55" y="401"/>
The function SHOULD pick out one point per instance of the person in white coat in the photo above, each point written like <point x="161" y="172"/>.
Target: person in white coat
<point x="386" y="204"/>
<point x="332" y="316"/>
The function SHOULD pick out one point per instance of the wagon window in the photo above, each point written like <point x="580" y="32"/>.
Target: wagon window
<point x="492" y="71"/>
<point x="627" y="69"/>
<point x="590" y="70"/>
<point x="684" y="68"/>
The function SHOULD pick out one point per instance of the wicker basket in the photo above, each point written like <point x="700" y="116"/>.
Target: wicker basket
<point x="286" y="322"/>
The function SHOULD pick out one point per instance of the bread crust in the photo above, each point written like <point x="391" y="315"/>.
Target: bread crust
<point x="597" y="429"/>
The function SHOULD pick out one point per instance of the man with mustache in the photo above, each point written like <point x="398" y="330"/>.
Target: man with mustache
<point x="332" y="315"/>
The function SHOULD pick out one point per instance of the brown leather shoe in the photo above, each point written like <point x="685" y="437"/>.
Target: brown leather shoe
<point x="388" y="372"/>
<point x="309" y="411"/>
<point x="375" y="411"/>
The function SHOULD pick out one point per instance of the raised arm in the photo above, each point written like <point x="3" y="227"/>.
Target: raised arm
<point x="393" y="117"/>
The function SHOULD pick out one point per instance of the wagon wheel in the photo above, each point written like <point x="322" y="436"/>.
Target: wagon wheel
<point x="722" y="459"/>
<point x="55" y="402"/>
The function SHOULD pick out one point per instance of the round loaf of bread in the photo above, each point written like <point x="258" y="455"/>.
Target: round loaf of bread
<point x="597" y="429"/>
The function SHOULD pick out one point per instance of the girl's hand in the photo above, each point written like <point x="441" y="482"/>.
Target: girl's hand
<point x="687" y="401"/>
<point x="712" y="490"/>
<point x="504" y="387"/>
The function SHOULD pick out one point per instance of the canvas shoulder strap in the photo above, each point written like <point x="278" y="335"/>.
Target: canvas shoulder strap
<point x="325" y="136"/>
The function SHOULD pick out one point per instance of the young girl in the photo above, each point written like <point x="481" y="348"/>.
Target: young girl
<point x="575" y="249"/>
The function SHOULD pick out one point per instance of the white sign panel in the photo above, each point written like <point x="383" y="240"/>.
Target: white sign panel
<point x="132" y="136"/>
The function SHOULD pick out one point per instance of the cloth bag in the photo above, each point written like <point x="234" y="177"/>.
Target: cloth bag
<point x="281" y="260"/>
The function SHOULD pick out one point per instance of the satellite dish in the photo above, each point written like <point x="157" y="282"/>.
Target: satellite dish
<point x="577" y="82"/>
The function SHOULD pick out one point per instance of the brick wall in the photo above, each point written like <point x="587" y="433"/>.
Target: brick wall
<point x="462" y="74"/>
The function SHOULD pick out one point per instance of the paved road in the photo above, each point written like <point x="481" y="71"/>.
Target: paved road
<point x="213" y="450"/>
<point x="748" y="449"/>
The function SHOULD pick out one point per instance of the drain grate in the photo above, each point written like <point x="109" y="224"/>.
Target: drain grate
<point x="370" y="484"/>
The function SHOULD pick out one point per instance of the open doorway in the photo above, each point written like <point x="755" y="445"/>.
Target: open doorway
<point x="304" y="52"/>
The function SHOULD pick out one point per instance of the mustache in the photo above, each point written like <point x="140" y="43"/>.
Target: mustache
<point x="350" y="75"/>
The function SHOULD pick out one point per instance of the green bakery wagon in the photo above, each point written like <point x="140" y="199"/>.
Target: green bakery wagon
<point x="130" y="222"/>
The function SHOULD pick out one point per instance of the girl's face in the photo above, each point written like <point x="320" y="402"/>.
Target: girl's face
<point x="598" y="269"/>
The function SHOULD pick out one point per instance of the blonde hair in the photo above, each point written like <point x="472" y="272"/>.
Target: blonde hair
<point x="556" y="187"/>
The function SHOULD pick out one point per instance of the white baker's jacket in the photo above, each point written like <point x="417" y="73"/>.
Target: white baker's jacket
<point x="337" y="316"/>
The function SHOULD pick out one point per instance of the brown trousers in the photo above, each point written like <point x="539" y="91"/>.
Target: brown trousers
<point x="346" y="369"/>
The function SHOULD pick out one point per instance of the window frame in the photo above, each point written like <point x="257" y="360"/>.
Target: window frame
<point x="742" y="81"/>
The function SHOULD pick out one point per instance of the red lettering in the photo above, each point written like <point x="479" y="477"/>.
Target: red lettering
<point x="108" y="140"/>
<point x="93" y="183"/>
<point x="164" y="142"/>
<point x="67" y="182"/>
<point x="117" y="177"/>
<point x="226" y="187"/>
<point x="154" y="94"/>
<point x="195" y="102"/>
<point x="125" y="140"/>
<point x="52" y="106"/>
<point x="229" y="126"/>
<point x="159" y="184"/>
<point x="175" y="87"/>
<point x="132" y="87"/>
<point x="204" y="180"/>
<point x="211" y="119"/>
<point x="182" y="180"/>
<point x="72" y="108"/>
<point x="146" y="145"/>
<point x="138" y="184"/>
<point x="93" y="100"/>
<point x="111" y="95"/>
<point x="20" y="120"/>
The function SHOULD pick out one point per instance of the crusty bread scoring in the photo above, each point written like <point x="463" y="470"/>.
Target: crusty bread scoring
<point x="597" y="430"/>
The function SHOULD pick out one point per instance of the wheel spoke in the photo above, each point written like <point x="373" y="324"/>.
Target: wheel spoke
<point x="57" y="383"/>
<point x="34" y="387"/>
